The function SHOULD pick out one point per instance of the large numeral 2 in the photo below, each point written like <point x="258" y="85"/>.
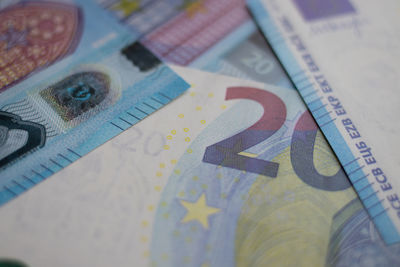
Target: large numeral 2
<point x="226" y="152"/>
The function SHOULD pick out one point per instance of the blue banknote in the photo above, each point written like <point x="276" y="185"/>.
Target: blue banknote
<point x="69" y="82"/>
<point x="233" y="173"/>
<point x="338" y="53"/>
<point x="218" y="36"/>
<point x="268" y="193"/>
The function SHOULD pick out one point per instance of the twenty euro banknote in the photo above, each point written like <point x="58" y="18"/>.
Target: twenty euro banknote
<point x="71" y="78"/>
<point x="214" y="35"/>
<point x="233" y="173"/>
<point x="342" y="56"/>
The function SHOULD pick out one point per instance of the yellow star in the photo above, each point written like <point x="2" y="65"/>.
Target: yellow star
<point x="198" y="211"/>
<point x="192" y="7"/>
<point x="127" y="6"/>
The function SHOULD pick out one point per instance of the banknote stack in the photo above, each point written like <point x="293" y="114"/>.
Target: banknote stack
<point x="274" y="139"/>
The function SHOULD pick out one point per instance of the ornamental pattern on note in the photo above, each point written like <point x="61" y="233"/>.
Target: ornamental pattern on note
<point x="35" y="35"/>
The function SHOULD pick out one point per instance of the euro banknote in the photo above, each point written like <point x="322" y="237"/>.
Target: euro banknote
<point x="213" y="35"/>
<point x="338" y="53"/>
<point x="233" y="173"/>
<point x="68" y="83"/>
<point x="179" y="31"/>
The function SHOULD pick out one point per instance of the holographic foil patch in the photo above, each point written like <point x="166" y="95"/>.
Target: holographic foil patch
<point x="77" y="94"/>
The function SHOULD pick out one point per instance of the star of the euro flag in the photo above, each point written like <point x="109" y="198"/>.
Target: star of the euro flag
<point x="198" y="211"/>
<point x="127" y="6"/>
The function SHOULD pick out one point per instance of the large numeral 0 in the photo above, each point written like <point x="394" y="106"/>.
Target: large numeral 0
<point x="225" y="152"/>
<point x="302" y="157"/>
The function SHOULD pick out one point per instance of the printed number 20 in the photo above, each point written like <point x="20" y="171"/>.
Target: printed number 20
<point x="259" y="63"/>
<point x="226" y="152"/>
